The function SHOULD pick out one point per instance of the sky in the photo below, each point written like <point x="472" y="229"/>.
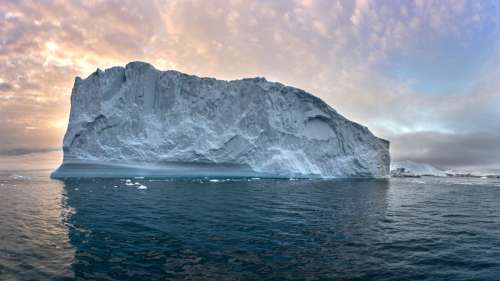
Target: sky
<point x="422" y="74"/>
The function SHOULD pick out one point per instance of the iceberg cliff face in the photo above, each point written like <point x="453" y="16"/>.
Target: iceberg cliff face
<point x="138" y="121"/>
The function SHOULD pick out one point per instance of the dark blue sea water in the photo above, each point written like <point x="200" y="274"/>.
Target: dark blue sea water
<point x="398" y="229"/>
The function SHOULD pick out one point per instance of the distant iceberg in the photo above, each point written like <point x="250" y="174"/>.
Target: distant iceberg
<point x="485" y="173"/>
<point x="410" y="168"/>
<point x="138" y="121"/>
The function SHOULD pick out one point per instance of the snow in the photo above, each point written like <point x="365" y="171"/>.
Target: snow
<point x="140" y="122"/>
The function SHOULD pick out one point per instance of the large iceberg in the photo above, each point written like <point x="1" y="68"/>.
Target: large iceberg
<point x="139" y="121"/>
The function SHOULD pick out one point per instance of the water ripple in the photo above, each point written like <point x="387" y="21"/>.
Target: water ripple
<point x="430" y="229"/>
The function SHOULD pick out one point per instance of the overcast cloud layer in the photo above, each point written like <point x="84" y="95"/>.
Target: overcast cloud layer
<point x="423" y="74"/>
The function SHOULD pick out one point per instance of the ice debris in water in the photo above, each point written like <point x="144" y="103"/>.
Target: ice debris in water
<point x="142" y="187"/>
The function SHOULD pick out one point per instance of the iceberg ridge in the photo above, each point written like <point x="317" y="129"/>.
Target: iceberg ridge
<point x="139" y="121"/>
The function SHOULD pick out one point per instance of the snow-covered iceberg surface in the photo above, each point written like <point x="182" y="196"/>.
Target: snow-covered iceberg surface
<point x="139" y="121"/>
<point x="410" y="168"/>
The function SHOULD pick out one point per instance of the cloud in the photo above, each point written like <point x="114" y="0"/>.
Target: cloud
<point x="359" y="9"/>
<point x="24" y="151"/>
<point x="449" y="150"/>
<point x="368" y="59"/>
<point x="5" y="87"/>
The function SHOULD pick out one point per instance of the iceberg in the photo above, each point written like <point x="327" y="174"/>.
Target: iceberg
<point x="137" y="121"/>
<point x="407" y="168"/>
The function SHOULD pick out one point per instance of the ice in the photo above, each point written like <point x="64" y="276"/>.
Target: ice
<point x="415" y="169"/>
<point x="141" y="122"/>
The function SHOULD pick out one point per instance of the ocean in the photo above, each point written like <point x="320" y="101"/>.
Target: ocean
<point x="248" y="229"/>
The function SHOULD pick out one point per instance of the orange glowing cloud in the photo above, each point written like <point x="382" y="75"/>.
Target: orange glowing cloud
<point x="338" y="50"/>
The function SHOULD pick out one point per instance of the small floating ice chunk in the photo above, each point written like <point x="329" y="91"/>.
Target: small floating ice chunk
<point x="138" y="178"/>
<point x="142" y="187"/>
<point x="214" y="180"/>
<point x="128" y="182"/>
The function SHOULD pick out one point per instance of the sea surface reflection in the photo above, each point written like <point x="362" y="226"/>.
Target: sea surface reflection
<point x="34" y="240"/>
<point x="230" y="230"/>
<point x="105" y="229"/>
